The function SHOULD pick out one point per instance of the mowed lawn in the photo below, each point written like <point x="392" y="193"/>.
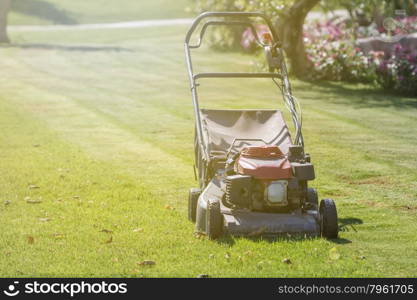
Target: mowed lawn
<point x="45" y="12"/>
<point x="96" y="161"/>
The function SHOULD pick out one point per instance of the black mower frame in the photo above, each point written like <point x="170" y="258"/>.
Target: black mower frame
<point x="237" y="19"/>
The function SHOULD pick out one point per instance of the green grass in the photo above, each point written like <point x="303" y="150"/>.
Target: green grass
<point x="34" y="12"/>
<point x="101" y="122"/>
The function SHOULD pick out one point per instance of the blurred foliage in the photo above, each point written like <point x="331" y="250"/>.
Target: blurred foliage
<point x="230" y="37"/>
<point x="330" y="44"/>
<point x="271" y="7"/>
<point x="330" y="47"/>
<point x="331" y="50"/>
<point x="365" y="12"/>
<point x="362" y="13"/>
<point x="397" y="71"/>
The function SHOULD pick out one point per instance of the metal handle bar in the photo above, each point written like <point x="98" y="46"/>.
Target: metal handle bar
<point x="228" y="18"/>
<point x="232" y="23"/>
<point x="230" y="14"/>
<point x="236" y="75"/>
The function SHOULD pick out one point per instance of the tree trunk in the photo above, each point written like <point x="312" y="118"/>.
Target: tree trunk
<point x="412" y="7"/>
<point x="4" y="9"/>
<point x="290" y="30"/>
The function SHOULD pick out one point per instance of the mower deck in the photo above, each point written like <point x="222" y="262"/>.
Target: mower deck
<point x="241" y="222"/>
<point x="249" y="223"/>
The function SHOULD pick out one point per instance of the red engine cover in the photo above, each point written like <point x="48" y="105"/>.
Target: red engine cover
<point x="266" y="162"/>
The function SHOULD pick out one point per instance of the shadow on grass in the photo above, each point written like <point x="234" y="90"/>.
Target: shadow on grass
<point x="340" y="241"/>
<point x="230" y="239"/>
<point x="80" y="48"/>
<point x="365" y="97"/>
<point x="345" y="225"/>
<point x="43" y="10"/>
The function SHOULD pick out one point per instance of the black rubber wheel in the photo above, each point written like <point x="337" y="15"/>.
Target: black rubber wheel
<point x="214" y="220"/>
<point x="328" y="215"/>
<point x="312" y="198"/>
<point x="193" y="195"/>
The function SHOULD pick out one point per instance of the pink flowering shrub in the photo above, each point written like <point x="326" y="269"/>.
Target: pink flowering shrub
<point x="332" y="54"/>
<point x="397" y="72"/>
<point x="248" y="40"/>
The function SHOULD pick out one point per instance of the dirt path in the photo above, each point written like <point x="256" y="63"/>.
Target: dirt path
<point x="133" y="24"/>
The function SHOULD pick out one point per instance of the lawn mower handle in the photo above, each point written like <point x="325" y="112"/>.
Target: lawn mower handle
<point x="229" y="18"/>
<point x="230" y="14"/>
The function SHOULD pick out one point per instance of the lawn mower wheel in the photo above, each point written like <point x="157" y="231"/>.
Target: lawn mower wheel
<point x="214" y="225"/>
<point x="312" y="197"/>
<point x="193" y="195"/>
<point x="328" y="213"/>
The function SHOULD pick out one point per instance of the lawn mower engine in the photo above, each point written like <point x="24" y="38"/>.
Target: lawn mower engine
<point x="264" y="179"/>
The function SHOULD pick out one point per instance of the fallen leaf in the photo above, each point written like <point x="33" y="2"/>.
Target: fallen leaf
<point x="58" y="236"/>
<point x="31" y="239"/>
<point x="44" y="219"/>
<point x="334" y="254"/>
<point x="147" y="263"/>
<point x="109" y="240"/>
<point x="138" y="230"/>
<point x="169" y="207"/>
<point x="33" y="187"/>
<point x="32" y="201"/>
<point x="287" y="261"/>
<point x="106" y="231"/>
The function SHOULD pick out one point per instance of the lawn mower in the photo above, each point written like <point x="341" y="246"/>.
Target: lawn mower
<point x="253" y="177"/>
